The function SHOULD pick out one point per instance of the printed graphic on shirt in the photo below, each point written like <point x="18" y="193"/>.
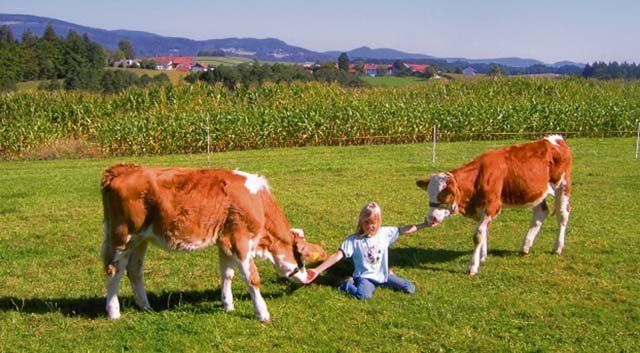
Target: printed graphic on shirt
<point x="374" y="255"/>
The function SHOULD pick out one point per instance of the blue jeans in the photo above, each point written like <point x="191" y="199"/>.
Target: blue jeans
<point x="363" y="288"/>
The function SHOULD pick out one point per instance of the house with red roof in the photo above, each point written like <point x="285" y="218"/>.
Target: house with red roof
<point x="180" y="63"/>
<point x="418" y="68"/>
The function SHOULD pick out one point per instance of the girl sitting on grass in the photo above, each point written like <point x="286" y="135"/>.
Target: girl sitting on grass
<point x="369" y="249"/>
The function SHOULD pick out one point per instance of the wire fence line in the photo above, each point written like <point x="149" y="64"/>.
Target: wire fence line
<point x="436" y="136"/>
<point x="441" y="136"/>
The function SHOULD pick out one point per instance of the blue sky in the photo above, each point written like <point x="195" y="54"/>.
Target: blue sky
<point x="547" y="30"/>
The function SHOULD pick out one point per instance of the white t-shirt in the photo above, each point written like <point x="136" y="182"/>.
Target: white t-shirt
<point x="371" y="255"/>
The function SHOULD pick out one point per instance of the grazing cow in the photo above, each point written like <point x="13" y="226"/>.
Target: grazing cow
<point x="189" y="209"/>
<point x="519" y="175"/>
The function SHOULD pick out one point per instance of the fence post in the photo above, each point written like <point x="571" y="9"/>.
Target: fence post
<point x="435" y="137"/>
<point x="638" y="141"/>
<point x="208" y="143"/>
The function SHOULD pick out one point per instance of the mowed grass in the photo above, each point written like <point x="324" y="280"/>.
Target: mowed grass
<point x="586" y="300"/>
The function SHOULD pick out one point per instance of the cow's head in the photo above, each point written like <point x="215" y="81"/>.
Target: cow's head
<point x="444" y="195"/>
<point x="289" y="257"/>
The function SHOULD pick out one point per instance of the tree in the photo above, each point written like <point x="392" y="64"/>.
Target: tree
<point x="148" y="64"/>
<point x="430" y="71"/>
<point x="49" y="34"/>
<point x="6" y="35"/>
<point x="127" y="49"/>
<point x="381" y="70"/>
<point x="343" y="62"/>
<point x="495" y="70"/>
<point x="358" y="67"/>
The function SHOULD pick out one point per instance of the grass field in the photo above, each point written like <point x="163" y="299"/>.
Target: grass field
<point x="216" y="61"/>
<point x="586" y="300"/>
<point x="176" y="77"/>
<point x="393" y="81"/>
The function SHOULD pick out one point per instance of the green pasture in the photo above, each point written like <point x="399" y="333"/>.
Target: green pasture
<point x="217" y="61"/>
<point x="585" y="300"/>
<point x="393" y="81"/>
<point x="176" y="77"/>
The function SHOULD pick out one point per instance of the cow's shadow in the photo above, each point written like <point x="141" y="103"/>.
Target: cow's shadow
<point x="94" y="307"/>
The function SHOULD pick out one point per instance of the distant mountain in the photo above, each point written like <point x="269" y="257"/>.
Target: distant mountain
<point x="567" y="63"/>
<point x="382" y="53"/>
<point x="513" y="62"/>
<point x="149" y="44"/>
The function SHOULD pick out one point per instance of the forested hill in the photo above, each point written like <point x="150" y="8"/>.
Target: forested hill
<point x="149" y="44"/>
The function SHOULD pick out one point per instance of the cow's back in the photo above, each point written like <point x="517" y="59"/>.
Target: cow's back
<point x="522" y="172"/>
<point x="183" y="208"/>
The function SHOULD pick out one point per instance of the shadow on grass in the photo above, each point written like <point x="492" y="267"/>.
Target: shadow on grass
<point x="401" y="257"/>
<point x="418" y="257"/>
<point x="94" y="307"/>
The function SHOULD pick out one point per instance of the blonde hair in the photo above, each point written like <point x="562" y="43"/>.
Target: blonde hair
<point x="370" y="210"/>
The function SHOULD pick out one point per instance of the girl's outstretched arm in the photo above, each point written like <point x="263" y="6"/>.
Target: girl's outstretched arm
<point x="412" y="228"/>
<point x="312" y="273"/>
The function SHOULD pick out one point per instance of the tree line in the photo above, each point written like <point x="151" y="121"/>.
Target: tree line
<point x="73" y="62"/>
<point x="612" y="70"/>
<point x="256" y="73"/>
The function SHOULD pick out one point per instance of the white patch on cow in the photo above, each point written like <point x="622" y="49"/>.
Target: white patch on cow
<point x="535" y="202"/>
<point x="298" y="231"/>
<point x="259" y="304"/>
<point x="300" y="277"/>
<point x="554" y="139"/>
<point x="285" y="268"/>
<point x="265" y="254"/>
<point x="437" y="183"/>
<point x="252" y="249"/>
<point x="254" y="183"/>
<point x="148" y="234"/>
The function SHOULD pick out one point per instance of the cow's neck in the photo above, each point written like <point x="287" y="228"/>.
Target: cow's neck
<point x="276" y="224"/>
<point x="466" y="177"/>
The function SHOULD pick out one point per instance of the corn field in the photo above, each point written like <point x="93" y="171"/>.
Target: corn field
<point x="177" y="119"/>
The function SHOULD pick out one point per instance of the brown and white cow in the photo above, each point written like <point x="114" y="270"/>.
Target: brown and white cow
<point x="189" y="209"/>
<point x="519" y="175"/>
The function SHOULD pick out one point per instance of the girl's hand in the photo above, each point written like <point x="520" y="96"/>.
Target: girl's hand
<point x="311" y="275"/>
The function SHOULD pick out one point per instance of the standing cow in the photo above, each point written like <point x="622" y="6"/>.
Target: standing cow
<point x="519" y="175"/>
<point x="189" y="209"/>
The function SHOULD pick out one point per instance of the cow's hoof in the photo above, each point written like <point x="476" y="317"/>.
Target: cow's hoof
<point x="472" y="272"/>
<point x="523" y="253"/>
<point x="265" y="321"/>
<point x="113" y="316"/>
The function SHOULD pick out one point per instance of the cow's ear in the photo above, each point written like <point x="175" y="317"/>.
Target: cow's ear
<point x="423" y="183"/>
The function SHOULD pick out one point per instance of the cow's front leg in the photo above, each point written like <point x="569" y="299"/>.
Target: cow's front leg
<point x="226" y="273"/>
<point x="251" y="277"/>
<point x="135" y="274"/>
<point x="479" y="239"/>
<point x="539" y="214"/>
<point x="484" y="250"/>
